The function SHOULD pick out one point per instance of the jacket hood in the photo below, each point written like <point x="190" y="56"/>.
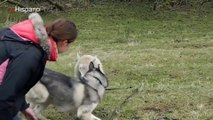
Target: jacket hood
<point x="33" y="29"/>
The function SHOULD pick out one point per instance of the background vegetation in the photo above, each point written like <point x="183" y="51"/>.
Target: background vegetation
<point x="157" y="54"/>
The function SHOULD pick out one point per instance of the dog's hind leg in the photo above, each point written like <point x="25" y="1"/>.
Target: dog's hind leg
<point x="38" y="109"/>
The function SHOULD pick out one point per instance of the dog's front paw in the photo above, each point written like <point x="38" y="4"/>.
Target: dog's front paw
<point x="95" y="118"/>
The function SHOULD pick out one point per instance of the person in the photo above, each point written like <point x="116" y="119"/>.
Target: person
<point x="24" y="49"/>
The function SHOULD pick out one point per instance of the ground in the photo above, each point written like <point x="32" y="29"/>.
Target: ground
<point x="159" y="63"/>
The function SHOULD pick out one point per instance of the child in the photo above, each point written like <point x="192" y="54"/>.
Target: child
<point x="24" y="49"/>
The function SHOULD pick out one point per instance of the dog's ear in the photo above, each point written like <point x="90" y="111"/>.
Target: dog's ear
<point x="99" y="67"/>
<point x="81" y="70"/>
<point x="91" y="66"/>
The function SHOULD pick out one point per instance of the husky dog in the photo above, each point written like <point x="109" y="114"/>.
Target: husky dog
<point x="81" y="95"/>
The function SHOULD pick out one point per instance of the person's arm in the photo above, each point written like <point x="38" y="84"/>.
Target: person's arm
<point x="29" y="114"/>
<point x="27" y="111"/>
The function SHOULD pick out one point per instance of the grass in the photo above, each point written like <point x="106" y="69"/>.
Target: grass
<point x="165" y="55"/>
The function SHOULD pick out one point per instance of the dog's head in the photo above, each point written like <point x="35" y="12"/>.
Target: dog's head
<point x="95" y="77"/>
<point x="83" y="64"/>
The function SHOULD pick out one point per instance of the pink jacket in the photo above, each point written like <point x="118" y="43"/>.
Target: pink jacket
<point x="3" y="68"/>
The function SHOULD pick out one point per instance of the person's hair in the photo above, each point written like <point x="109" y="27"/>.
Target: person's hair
<point x="62" y="29"/>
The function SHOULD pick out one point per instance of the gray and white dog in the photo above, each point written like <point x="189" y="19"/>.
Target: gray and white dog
<point x="80" y="95"/>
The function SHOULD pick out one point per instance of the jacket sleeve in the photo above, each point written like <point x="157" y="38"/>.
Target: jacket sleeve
<point x="24" y="105"/>
<point x="3" y="52"/>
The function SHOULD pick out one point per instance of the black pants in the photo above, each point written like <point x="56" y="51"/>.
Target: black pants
<point x="25" y="68"/>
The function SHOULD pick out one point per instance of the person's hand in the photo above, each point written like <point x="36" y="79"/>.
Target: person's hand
<point x="29" y="114"/>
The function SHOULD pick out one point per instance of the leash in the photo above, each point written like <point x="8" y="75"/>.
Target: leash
<point x="114" y="112"/>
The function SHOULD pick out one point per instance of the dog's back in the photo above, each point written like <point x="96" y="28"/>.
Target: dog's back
<point x="63" y="88"/>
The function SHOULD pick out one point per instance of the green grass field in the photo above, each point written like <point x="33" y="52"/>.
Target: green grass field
<point x="159" y="63"/>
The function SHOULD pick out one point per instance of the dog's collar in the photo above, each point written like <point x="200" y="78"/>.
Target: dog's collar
<point x="85" y="81"/>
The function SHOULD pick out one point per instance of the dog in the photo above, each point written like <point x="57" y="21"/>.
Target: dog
<point x="80" y="95"/>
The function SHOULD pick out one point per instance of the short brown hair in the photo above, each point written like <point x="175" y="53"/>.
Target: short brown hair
<point x="62" y="29"/>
